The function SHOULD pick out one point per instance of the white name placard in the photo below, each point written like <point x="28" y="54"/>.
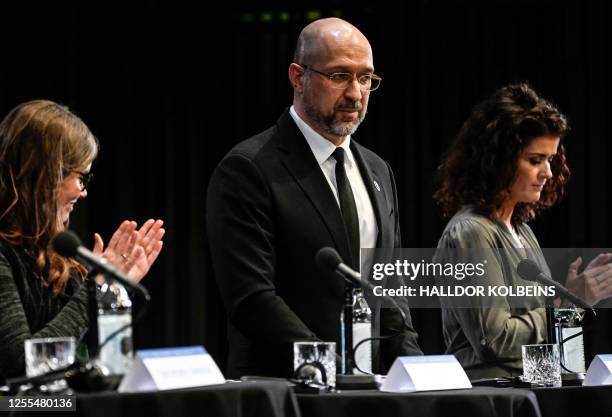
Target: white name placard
<point x="425" y="373"/>
<point x="600" y="371"/>
<point x="171" y="368"/>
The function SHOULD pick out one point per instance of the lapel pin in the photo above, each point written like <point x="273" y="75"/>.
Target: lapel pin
<point x="376" y="185"/>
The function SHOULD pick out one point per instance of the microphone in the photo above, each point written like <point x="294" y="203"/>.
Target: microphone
<point x="328" y="261"/>
<point x="91" y="376"/>
<point x="67" y="244"/>
<point x="87" y="377"/>
<point x="530" y="271"/>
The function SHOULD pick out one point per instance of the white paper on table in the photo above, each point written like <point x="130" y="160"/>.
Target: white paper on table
<point x="172" y="368"/>
<point x="600" y="371"/>
<point x="425" y="373"/>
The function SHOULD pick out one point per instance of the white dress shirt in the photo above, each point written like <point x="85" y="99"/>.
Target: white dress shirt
<point x="322" y="150"/>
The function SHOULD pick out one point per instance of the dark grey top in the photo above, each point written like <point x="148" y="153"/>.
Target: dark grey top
<point x="487" y="341"/>
<point x="29" y="310"/>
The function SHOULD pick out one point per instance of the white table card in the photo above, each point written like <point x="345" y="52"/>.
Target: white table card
<point x="425" y="373"/>
<point x="171" y="368"/>
<point x="600" y="371"/>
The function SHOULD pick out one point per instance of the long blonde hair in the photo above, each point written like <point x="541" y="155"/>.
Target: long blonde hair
<point x="41" y="142"/>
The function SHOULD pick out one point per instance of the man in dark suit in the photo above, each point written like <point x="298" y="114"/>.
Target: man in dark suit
<point x="273" y="202"/>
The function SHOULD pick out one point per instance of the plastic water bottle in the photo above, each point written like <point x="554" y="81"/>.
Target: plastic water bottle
<point x="115" y="312"/>
<point x="568" y="328"/>
<point x="362" y="329"/>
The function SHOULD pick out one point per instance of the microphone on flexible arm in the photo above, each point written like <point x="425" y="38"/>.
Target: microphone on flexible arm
<point x="530" y="271"/>
<point x="89" y="376"/>
<point x="84" y="376"/>
<point x="329" y="261"/>
<point x="68" y="244"/>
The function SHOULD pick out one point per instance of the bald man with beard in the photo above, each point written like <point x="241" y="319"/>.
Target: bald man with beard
<point x="273" y="202"/>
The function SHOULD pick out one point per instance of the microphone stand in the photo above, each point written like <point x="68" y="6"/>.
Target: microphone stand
<point x="550" y="320"/>
<point x="346" y="333"/>
<point x="93" y="338"/>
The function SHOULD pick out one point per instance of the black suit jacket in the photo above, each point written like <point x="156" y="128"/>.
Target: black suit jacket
<point x="269" y="210"/>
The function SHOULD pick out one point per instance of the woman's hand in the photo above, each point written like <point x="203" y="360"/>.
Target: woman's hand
<point x="595" y="282"/>
<point x="133" y="251"/>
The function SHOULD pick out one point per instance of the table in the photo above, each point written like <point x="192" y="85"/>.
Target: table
<point x="575" y="401"/>
<point x="478" y="401"/>
<point x="276" y="399"/>
<point x="245" y="399"/>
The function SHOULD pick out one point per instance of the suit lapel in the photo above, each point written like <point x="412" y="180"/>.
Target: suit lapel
<point x="375" y="189"/>
<point x="376" y="192"/>
<point x="298" y="159"/>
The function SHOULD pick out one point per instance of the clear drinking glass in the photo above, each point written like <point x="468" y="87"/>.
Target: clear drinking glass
<point x="315" y="361"/>
<point x="542" y="365"/>
<point x="49" y="354"/>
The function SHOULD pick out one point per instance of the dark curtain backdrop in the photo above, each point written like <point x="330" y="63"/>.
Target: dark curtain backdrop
<point x="168" y="89"/>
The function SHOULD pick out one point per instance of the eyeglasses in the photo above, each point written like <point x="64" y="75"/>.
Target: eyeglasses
<point x="84" y="179"/>
<point x="341" y="80"/>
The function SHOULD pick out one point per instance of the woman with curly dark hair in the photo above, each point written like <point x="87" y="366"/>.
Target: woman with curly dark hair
<point x="507" y="164"/>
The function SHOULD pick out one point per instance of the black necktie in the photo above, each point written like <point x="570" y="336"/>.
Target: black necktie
<point x="348" y="207"/>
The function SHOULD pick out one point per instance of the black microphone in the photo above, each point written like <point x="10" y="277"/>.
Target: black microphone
<point x="86" y="377"/>
<point x="328" y="261"/>
<point x="67" y="244"/>
<point x="530" y="271"/>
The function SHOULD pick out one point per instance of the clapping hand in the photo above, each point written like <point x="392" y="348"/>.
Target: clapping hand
<point x="132" y="251"/>
<point x="595" y="282"/>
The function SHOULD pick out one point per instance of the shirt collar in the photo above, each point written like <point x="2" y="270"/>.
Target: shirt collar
<point x="321" y="147"/>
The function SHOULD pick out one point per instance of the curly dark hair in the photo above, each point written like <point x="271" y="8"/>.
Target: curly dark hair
<point x="481" y="164"/>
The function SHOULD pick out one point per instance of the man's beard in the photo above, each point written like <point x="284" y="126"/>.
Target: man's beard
<point x="328" y="122"/>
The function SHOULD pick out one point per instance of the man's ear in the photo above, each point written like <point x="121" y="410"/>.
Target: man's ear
<point x="296" y="77"/>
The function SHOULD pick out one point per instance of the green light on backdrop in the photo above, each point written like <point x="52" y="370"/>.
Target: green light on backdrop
<point x="247" y="18"/>
<point x="313" y="14"/>
<point x="283" y="16"/>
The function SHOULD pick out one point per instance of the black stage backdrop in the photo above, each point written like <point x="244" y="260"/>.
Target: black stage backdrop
<point x="169" y="89"/>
